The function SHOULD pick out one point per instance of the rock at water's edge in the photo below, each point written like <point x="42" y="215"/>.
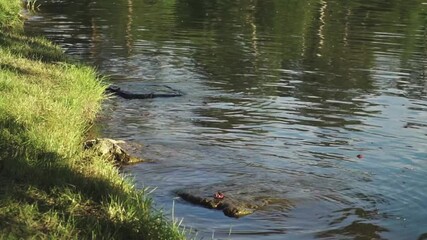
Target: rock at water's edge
<point x="111" y="149"/>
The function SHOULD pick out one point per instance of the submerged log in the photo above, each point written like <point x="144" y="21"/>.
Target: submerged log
<point x="112" y="150"/>
<point x="231" y="207"/>
<point x="143" y="91"/>
<point x="232" y="201"/>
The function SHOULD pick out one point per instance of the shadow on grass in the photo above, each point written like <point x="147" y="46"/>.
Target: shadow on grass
<point x="11" y="68"/>
<point x="31" y="175"/>
<point x="31" y="48"/>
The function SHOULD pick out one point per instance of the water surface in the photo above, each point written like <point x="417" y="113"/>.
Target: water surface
<point x="281" y="97"/>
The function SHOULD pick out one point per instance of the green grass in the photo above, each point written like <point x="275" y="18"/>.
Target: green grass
<point x="9" y="14"/>
<point x="49" y="187"/>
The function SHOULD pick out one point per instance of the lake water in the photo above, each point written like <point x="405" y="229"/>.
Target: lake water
<point x="281" y="96"/>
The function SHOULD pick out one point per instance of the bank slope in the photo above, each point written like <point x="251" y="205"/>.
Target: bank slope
<point x="49" y="187"/>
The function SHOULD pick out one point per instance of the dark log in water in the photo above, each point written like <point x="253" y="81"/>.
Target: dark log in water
<point x="233" y="202"/>
<point x="144" y="91"/>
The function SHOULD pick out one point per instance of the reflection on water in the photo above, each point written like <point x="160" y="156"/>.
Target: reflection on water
<point x="281" y="96"/>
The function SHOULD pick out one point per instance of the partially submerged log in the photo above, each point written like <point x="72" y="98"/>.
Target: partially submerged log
<point x="235" y="203"/>
<point x="231" y="207"/>
<point x="112" y="150"/>
<point x="143" y="91"/>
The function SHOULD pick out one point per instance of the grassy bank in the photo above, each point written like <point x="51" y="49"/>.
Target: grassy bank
<point x="49" y="187"/>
